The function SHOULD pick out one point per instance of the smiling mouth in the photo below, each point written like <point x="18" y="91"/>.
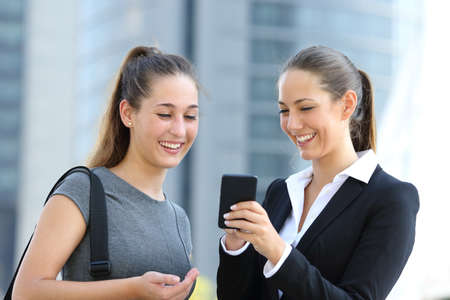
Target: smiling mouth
<point x="171" y="146"/>
<point x="305" y="138"/>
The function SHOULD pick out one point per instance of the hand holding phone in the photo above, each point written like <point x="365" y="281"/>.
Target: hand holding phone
<point x="235" y="188"/>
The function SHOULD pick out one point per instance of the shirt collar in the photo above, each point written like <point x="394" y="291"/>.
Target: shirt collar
<point x="363" y="168"/>
<point x="301" y="178"/>
<point x="296" y="184"/>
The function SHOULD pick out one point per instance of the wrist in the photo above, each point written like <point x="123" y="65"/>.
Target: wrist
<point x="277" y="252"/>
<point x="233" y="244"/>
<point x="134" y="289"/>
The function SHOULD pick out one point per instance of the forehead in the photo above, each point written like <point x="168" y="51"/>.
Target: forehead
<point x="177" y="90"/>
<point x="296" y="84"/>
<point x="299" y="79"/>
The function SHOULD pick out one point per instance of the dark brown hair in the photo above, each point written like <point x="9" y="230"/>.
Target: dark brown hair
<point x="337" y="75"/>
<point x="141" y="67"/>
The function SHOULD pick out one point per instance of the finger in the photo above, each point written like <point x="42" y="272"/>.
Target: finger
<point x="250" y="205"/>
<point x="185" y="285"/>
<point x="245" y="214"/>
<point x="246" y="236"/>
<point x="160" y="278"/>
<point x="230" y="231"/>
<point x="243" y="225"/>
<point x="183" y="295"/>
<point x="193" y="273"/>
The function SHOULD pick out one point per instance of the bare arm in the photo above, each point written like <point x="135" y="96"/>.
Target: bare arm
<point x="59" y="231"/>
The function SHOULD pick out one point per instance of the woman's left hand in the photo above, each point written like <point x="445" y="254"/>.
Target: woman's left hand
<point x="253" y="225"/>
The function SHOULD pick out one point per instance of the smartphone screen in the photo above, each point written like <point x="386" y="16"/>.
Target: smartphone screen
<point x="235" y="188"/>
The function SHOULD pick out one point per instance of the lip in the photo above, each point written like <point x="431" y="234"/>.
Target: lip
<point x="165" y="146"/>
<point x="305" y="142"/>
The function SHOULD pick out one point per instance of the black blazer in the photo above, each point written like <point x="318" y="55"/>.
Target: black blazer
<point x="355" y="249"/>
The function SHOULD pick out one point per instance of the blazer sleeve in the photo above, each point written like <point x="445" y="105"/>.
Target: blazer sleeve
<point x="241" y="277"/>
<point x="377" y="261"/>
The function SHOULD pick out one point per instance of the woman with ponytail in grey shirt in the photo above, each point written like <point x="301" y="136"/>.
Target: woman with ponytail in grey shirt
<point x="149" y="126"/>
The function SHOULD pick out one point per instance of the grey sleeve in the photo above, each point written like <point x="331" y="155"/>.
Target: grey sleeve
<point x="76" y="187"/>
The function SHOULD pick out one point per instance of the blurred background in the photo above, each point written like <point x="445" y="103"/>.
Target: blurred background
<point x="58" y="60"/>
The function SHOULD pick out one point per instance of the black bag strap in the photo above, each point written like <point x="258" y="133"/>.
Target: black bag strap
<point x="100" y="266"/>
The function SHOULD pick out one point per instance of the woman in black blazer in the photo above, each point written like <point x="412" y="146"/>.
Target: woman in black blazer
<point x="341" y="229"/>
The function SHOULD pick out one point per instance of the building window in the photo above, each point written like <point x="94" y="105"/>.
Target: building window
<point x="265" y="126"/>
<point x="10" y="91"/>
<point x="12" y="8"/>
<point x="345" y="22"/>
<point x="10" y="61"/>
<point x="9" y="120"/>
<point x="271" y="51"/>
<point x="273" y="14"/>
<point x="10" y="34"/>
<point x="271" y="164"/>
<point x="8" y="181"/>
<point x="263" y="89"/>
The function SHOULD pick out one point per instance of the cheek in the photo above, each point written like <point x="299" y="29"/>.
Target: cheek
<point x="330" y="132"/>
<point x="319" y="122"/>
<point x="283" y="124"/>
<point x="192" y="130"/>
<point x="156" y="127"/>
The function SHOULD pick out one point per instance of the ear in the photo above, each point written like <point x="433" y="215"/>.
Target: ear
<point x="349" y="102"/>
<point x="126" y="113"/>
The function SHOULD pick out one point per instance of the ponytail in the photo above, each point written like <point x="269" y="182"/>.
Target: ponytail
<point x="112" y="143"/>
<point x="362" y="124"/>
<point x="140" y="68"/>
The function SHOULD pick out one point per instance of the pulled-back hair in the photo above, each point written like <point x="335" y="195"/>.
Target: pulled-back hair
<point x="141" y="67"/>
<point x="337" y="75"/>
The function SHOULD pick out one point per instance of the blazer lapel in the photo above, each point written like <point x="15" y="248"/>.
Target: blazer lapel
<point x="343" y="197"/>
<point x="280" y="208"/>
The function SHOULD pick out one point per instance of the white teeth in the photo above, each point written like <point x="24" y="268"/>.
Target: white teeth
<point x="169" y="145"/>
<point x="305" y="137"/>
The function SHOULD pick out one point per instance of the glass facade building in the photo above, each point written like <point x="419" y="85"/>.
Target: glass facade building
<point x="11" y="66"/>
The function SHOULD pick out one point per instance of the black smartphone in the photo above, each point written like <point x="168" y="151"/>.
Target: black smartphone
<point x="235" y="188"/>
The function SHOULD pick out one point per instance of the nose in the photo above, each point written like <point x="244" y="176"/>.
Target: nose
<point x="294" y="123"/>
<point x="178" y="127"/>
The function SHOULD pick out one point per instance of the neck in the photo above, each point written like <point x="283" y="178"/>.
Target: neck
<point x="328" y="166"/>
<point x="143" y="176"/>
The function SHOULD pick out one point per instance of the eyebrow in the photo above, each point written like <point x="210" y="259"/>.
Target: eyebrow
<point x="296" y="101"/>
<point x="172" y="106"/>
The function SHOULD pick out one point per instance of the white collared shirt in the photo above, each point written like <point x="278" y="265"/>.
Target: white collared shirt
<point x="362" y="169"/>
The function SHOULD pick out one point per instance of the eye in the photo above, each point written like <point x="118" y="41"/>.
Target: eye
<point x="191" y="117"/>
<point x="164" y="116"/>
<point x="283" y="111"/>
<point x="306" y="108"/>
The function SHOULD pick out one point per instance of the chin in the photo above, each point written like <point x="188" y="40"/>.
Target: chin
<point x="308" y="155"/>
<point x="169" y="165"/>
<point x="169" y="161"/>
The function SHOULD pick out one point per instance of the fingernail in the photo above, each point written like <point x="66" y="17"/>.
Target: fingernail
<point x="233" y="206"/>
<point x="227" y="222"/>
<point x="225" y="216"/>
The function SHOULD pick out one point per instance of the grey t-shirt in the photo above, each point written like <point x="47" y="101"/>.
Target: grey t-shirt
<point x="143" y="234"/>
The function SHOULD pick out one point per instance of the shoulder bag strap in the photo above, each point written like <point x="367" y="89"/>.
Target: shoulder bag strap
<point x="100" y="266"/>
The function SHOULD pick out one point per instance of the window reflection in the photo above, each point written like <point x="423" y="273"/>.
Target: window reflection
<point x="271" y="51"/>
<point x="273" y="14"/>
<point x="266" y="126"/>
<point x="263" y="89"/>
